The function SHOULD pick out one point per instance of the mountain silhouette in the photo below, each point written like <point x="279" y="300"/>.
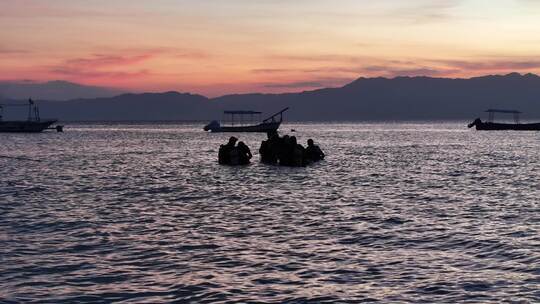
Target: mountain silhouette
<point x="52" y="90"/>
<point x="400" y="98"/>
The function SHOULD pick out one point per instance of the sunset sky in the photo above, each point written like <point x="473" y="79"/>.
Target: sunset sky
<point x="214" y="47"/>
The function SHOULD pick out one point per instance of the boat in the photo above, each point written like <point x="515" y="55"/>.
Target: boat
<point x="34" y="124"/>
<point x="493" y="126"/>
<point x="270" y="124"/>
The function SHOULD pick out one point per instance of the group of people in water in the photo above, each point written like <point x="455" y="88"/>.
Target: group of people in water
<point x="234" y="155"/>
<point x="276" y="150"/>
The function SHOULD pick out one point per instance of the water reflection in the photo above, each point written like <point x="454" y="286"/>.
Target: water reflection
<point x="396" y="212"/>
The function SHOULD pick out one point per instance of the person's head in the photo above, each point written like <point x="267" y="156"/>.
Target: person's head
<point x="310" y="142"/>
<point x="241" y="144"/>
<point x="232" y="140"/>
<point x="271" y="134"/>
<point x="293" y="140"/>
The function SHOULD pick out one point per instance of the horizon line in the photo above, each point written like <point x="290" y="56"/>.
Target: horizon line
<point x="128" y="92"/>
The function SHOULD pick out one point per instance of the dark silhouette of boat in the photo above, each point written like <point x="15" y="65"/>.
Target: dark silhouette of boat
<point x="492" y="126"/>
<point x="34" y="124"/>
<point x="270" y="124"/>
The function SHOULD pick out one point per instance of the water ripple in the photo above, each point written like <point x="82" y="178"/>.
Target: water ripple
<point x="142" y="213"/>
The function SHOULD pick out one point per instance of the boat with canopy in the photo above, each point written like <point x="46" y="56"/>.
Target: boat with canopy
<point x="243" y="121"/>
<point x="490" y="125"/>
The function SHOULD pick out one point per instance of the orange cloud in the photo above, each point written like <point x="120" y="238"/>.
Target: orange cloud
<point x="315" y="83"/>
<point x="493" y="65"/>
<point x="82" y="74"/>
<point x="105" y="61"/>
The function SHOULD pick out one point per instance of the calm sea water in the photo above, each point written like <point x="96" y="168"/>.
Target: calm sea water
<point x="137" y="213"/>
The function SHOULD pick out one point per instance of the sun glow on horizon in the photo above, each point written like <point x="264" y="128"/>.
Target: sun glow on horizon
<point x="217" y="47"/>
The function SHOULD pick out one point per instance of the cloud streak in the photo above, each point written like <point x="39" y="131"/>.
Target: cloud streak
<point x="337" y="65"/>
<point x="313" y="83"/>
<point x="102" y="60"/>
<point x="392" y="71"/>
<point x="77" y="73"/>
<point x="425" y="11"/>
<point x="8" y="51"/>
<point x="493" y="65"/>
<point x="50" y="9"/>
<point x="103" y="67"/>
<point x="113" y="65"/>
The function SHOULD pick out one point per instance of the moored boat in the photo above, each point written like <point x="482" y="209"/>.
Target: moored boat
<point x="493" y="126"/>
<point x="34" y="124"/>
<point x="270" y="124"/>
<point x="26" y="126"/>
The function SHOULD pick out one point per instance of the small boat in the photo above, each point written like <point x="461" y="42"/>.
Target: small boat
<point x="492" y="126"/>
<point x="34" y="124"/>
<point x="270" y="124"/>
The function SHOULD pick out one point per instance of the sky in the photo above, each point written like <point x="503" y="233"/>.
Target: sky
<point x="217" y="47"/>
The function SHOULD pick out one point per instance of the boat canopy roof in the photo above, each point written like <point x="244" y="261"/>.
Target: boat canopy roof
<point x="503" y="111"/>
<point x="242" y="112"/>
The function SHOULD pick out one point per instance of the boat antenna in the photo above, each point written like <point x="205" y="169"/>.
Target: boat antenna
<point x="30" y="104"/>
<point x="36" y="113"/>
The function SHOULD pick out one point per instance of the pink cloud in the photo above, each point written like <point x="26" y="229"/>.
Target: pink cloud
<point x="102" y="68"/>
<point x="77" y="73"/>
<point x="100" y="60"/>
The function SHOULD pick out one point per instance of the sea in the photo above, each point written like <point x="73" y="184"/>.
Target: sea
<point x="415" y="212"/>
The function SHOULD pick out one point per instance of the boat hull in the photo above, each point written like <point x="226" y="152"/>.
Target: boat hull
<point x="262" y="128"/>
<point x="489" y="126"/>
<point x="25" y="126"/>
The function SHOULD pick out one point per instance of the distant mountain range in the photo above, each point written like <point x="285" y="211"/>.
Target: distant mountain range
<point x="52" y="90"/>
<point x="400" y="98"/>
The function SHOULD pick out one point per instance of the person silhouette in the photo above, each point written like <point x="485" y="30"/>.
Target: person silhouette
<point x="234" y="156"/>
<point x="313" y="152"/>
<point x="269" y="148"/>
<point x="285" y="151"/>
<point x="244" y="154"/>
<point x="225" y="151"/>
<point x="297" y="153"/>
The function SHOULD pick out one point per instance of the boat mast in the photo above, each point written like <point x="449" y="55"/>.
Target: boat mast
<point x="33" y="110"/>
<point x="36" y="113"/>
<point x="30" y="103"/>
